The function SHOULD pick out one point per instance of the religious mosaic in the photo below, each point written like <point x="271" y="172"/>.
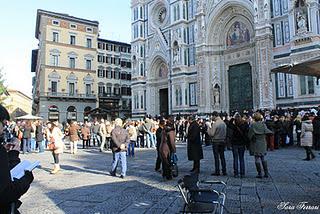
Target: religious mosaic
<point x="238" y="34"/>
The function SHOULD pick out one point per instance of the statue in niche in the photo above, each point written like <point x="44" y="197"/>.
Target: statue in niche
<point x="200" y="6"/>
<point x="176" y="53"/>
<point x="255" y="6"/>
<point x="216" y="95"/>
<point x="266" y="9"/>
<point x="301" y="22"/>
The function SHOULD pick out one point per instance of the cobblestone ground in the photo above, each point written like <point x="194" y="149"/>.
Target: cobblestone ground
<point x="84" y="186"/>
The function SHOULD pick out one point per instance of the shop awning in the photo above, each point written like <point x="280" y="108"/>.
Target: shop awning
<point x="307" y="68"/>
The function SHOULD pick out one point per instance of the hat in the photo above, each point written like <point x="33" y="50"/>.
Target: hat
<point x="4" y="114"/>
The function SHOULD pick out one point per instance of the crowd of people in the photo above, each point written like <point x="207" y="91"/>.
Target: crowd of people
<point x="257" y="132"/>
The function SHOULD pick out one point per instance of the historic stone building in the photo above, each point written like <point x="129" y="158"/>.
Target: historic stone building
<point x="114" y="78"/>
<point x="196" y="56"/>
<point x="76" y="72"/>
<point x="65" y="66"/>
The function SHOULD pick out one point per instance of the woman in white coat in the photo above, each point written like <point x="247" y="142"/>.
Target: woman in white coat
<point x="56" y="138"/>
<point x="306" y="137"/>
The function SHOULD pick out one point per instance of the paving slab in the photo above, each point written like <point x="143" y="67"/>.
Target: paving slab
<point x="84" y="185"/>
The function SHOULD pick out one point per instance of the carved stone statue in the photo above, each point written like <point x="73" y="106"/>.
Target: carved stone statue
<point x="255" y="6"/>
<point x="301" y="22"/>
<point x="216" y="95"/>
<point x="176" y="55"/>
<point x="266" y="9"/>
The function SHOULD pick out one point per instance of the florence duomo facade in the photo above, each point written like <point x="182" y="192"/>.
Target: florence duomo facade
<point x="197" y="56"/>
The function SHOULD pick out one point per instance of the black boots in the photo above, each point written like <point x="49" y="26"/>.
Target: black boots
<point x="265" y="169"/>
<point x="196" y="167"/>
<point x="258" y="167"/>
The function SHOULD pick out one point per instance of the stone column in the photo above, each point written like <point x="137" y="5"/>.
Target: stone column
<point x="312" y="16"/>
<point x="263" y="33"/>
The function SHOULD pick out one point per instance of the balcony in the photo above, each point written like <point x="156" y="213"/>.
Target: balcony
<point x="109" y="95"/>
<point x="68" y="95"/>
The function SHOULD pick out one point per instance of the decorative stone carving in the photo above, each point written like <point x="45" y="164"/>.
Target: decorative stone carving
<point x="255" y="6"/>
<point x="176" y="53"/>
<point x="216" y="95"/>
<point x="266" y="9"/>
<point x="301" y="22"/>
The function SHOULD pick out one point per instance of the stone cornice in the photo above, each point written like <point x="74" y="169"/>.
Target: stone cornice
<point x="70" y="46"/>
<point x="70" y="69"/>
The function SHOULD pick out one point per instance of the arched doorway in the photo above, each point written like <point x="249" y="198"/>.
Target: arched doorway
<point x="86" y="113"/>
<point x="53" y="113"/>
<point x="163" y="93"/>
<point x="72" y="113"/>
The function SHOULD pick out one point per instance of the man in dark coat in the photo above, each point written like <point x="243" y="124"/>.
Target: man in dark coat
<point x="194" y="146"/>
<point x="39" y="136"/>
<point x="10" y="191"/>
<point x="158" y="137"/>
<point x="316" y="131"/>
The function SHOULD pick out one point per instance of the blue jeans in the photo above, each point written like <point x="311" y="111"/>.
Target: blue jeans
<point x="33" y="144"/>
<point x="41" y="146"/>
<point x="151" y="140"/>
<point x="130" y="151"/>
<point x="96" y="139"/>
<point x="119" y="156"/>
<point x="26" y="145"/>
<point x="238" y="156"/>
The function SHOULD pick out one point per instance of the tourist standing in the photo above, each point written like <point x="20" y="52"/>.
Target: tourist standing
<point x="167" y="147"/>
<point x="27" y="129"/>
<point x="298" y="122"/>
<point x="133" y="138"/>
<point x="85" y="133"/>
<point x="56" y="138"/>
<point x="194" y="147"/>
<point x="120" y="140"/>
<point x="39" y="136"/>
<point x="74" y="137"/>
<point x="306" y="137"/>
<point x="316" y="131"/>
<point x="109" y="128"/>
<point x="239" y="140"/>
<point x="95" y="134"/>
<point x="218" y="133"/>
<point x="257" y="135"/>
<point x="103" y="134"/>
<point x="158" y="138"/>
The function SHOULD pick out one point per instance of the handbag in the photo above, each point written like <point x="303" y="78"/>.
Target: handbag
<point x="173" y="158"/>
<point x="51" y="145"/>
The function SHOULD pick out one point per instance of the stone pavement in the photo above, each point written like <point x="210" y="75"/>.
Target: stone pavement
<point x="84" y="186"/>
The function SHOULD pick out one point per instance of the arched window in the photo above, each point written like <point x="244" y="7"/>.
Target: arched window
<point x="53" y="113"/>
<point x="86" y="113"/>
<point x="72" y="113"/>
<point x="142" y="73"/>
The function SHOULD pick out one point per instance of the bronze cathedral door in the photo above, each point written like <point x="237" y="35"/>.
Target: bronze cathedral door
<point x="240" y="87"/>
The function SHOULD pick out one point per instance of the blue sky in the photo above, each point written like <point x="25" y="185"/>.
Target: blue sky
<point x="17" y="24"/>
